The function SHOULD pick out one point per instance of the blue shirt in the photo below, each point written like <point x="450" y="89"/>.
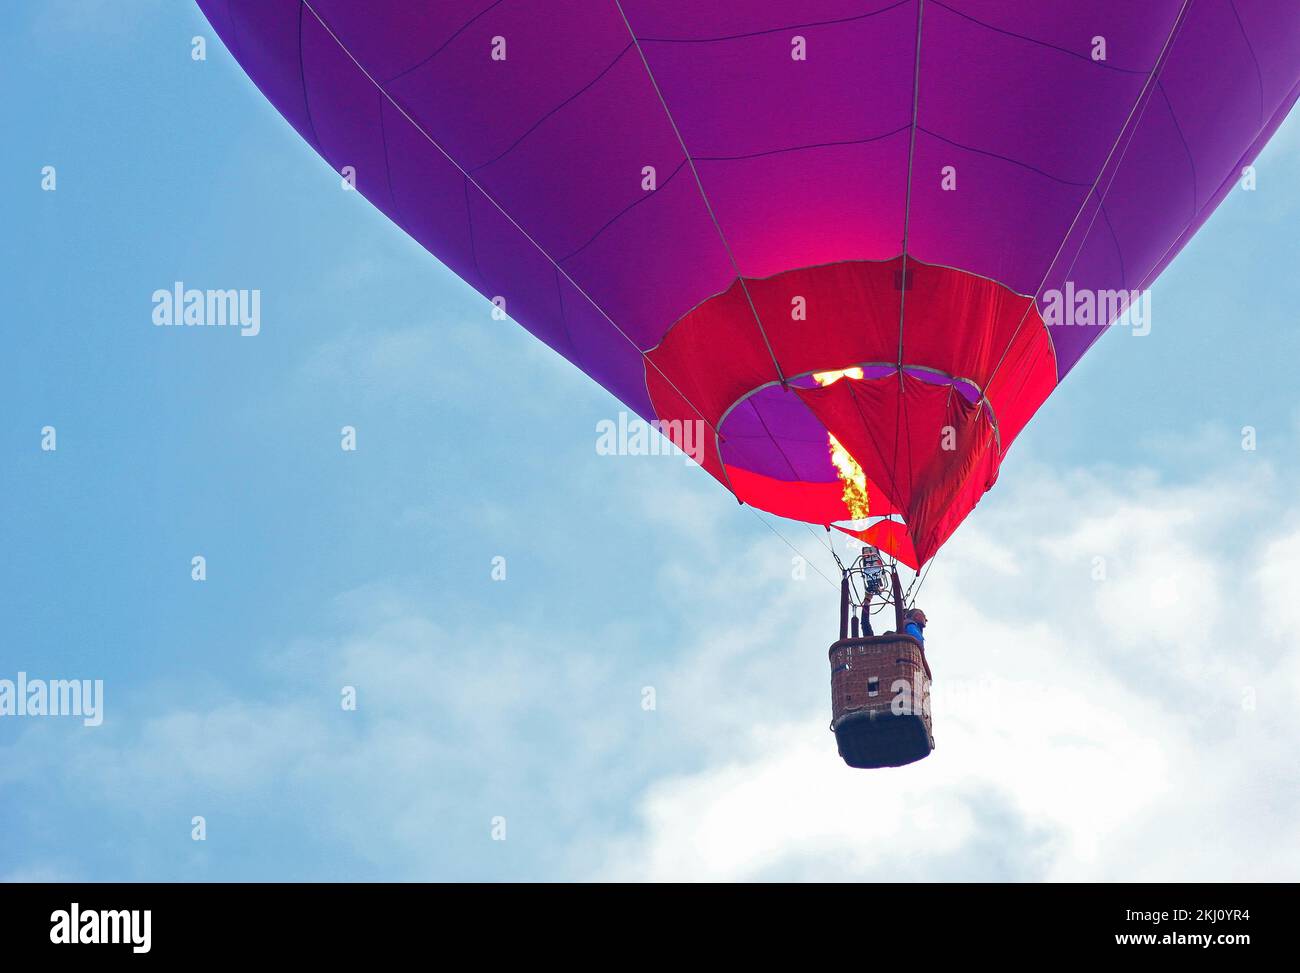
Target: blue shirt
<point x="914" y="630"/>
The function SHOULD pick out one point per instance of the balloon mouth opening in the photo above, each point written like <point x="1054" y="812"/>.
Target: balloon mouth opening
<point x="811" y="452"/>
<point x="811" y="414"/>
<point x="838" y="472"/>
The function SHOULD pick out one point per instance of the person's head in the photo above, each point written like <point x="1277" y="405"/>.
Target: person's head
<point x="916" y="615"/>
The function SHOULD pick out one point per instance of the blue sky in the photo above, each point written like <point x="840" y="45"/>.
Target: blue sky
<point x="1086" y="729"/>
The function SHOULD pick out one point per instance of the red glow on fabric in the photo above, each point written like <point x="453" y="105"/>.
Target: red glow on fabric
<point x="930" y="453"/>
<point x="925" y="445"/>
<point x="890" y="537"/>
<point x="815" y="503"/>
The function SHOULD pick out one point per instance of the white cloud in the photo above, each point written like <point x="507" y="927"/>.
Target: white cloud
<point x="1086" y="730"/>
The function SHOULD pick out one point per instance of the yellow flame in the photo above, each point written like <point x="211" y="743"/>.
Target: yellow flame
<point x="855" y="481"/>
<point x="828" y="378"/>
<point x="848" y="469"/>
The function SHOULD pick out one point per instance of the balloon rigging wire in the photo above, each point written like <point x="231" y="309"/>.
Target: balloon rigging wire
<point x="821" y="540"/>
<point x="470" y="180"/>
<point x="1139" y="108"/>
<point x="902" y="277"/>
<point x="704" y="197"/>
<point x="919" y="580"/>
<point x="784" y="541"/>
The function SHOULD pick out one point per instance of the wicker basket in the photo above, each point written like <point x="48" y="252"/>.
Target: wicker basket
<point x="880" y="700"/>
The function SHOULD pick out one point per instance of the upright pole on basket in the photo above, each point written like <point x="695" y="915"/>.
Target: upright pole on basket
<point x="898" y="600"/>
<point x="844" y="606"/>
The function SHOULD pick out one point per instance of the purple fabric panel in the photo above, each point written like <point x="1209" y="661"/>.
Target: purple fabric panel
<point x="603" y="353"/>
<point x="478" y="107"/>
<point x="785" y="417"/>
<point x="758" y="453"/>
<point x="218" y="14"/>
<point x="1049" y="110"/>
<point x="781" y="459"/>
<point x="1134" y="31"/>
<point x="1185" y="148"/>
<point x="1231" y="179"/>
<point x="582" y="166"/>
<point x="345" y="113"/>
<point x="1212" y="90"/>
<point x="654" y="260"/>
<point x="747" y="95"/>
<point x="1149" y="201"/>
<point x="965" y="389"/>
<point x="265" y="39"/>
<point x="803" y="162"/>
<point x="392" y="37"/>
<point x="1003" y="221"/>
<point x="432" y="197"/>
<point x="560" y="144"/>
<point x="694" y="21"/>
<point x="743" y="420"/>
<point x="877" y="371"/>
<point x="773" y="433"/>
<point x="1025" y="125"/>
<point x="353" y="130"/>
<point x="811" y="206"/>
<point x="1272" y="31"/>
<point x="404" y="173"/>
<point x="1080" y="343"/>
<point x="516" y="270"/>
<point x="558" y="134"/>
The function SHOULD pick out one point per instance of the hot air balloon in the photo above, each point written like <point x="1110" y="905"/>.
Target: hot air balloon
<point x="836" y="237"/>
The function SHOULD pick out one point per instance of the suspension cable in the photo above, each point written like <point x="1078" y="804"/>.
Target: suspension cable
<point x="784" y="541"/>
<point x="919" y="580"/>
